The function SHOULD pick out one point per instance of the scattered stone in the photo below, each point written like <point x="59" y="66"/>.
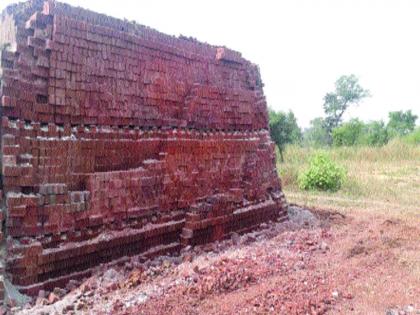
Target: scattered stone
<point x="409" y="309"/>
<point x="188" y="258"/>
<point x="71" y="285"/>
<point x="299" y="265"/>
<point x="235" y="238"/>
<point x="81" y="305"/>
<point x="110" y="274"/>
<point x="166" y="263"/>
<point x="302" y="217"/>
<point x="41" y="301"/>
<point x="69" y="308"/>
<point x="392" y="312"/>
<point x="11" y="303"/>
<point x="52" y="298"/>
<point x="59" y="292"/>
<point x="42" y="294"/>
<point x="263" y="225"/>
<point x="323" y="246"/>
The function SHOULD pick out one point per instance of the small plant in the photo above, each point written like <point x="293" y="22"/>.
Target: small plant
<point x="322" y="174"/>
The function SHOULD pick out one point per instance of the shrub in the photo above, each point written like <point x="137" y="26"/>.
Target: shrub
<point x="348" y="133"/>
<point x="374" y="133"/>
<point x="413" y="137"/>
<point x="322" y="174"/>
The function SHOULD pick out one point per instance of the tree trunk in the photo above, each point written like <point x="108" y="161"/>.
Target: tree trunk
<point x="281" y="155"/>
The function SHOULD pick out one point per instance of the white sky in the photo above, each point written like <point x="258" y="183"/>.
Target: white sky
<point x="301" y="46"/>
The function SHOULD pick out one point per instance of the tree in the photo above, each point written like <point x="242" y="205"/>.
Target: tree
<point x="401" y="123"/>
<point x="316" y="135"/>
<point x="347" y="92"/>
<point x="348" y="134"/>
<point x="284" y="129"/>
<point x="374" y="134"/>
<point x="296" y="132"/>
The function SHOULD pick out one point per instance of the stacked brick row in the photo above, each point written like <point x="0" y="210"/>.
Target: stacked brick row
<point x="66" y="170"/>
<point x="119" y="140"/>
<point x="87" y="73"/>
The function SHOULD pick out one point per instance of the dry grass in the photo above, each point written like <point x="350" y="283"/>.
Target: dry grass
<point x="382" y="180"/>
<point x="381" y="197"/>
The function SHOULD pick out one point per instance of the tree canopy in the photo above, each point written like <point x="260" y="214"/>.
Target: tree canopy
<point x="316" y="135"/>
<point x="284" y="129"/>
<point x="347" y="92"/>
<point x="401" y="122"/>
<point x="348" y="134"/>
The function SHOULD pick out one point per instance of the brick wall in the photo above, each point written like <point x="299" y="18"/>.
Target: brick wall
<point x="119" y="140"/>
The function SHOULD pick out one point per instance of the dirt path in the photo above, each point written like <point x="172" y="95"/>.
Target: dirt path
<point x="333" y="264"/>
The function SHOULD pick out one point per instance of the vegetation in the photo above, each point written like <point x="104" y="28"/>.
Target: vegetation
<point x="316" y="135"/>
<point x="331" y="130"/>
<point x="347" y="92"/>
<point x="312" y="158"/>
<point x="401" y="123"/>
<point x="378" y="178"/>
<point x="284" y="129"/>
<point x="374" y="133"/>
<point x="322" y="174"/>
<point x="352" y="133"/>
<point x="412" y="138"/>
<point x="348" y="133"/>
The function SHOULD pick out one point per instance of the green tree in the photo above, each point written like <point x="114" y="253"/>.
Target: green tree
<point x="401" y="123"/>
<point x="316" y="135"/>
<point x="284" y="129"/>
<point x="348" y="133"/>
<point x="374" y="133"/>
<point x="347" y="92"/>
<point x="296" y="132"/>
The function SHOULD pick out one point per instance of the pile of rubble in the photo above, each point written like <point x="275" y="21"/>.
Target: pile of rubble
<point x="276" y="263"/>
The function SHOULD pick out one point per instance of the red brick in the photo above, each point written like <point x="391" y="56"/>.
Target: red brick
<point x="149" y="130"/>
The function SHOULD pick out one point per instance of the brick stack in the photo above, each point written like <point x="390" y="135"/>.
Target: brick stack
<point x="118" y="140"/>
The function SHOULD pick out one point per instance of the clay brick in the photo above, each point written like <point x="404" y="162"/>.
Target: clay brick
<point x="131" y="137"/>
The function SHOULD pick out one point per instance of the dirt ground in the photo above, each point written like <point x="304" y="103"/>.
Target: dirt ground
<point x="320" y="262"/>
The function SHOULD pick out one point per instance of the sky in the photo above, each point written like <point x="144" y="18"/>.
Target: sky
<point x="301" y="46"/>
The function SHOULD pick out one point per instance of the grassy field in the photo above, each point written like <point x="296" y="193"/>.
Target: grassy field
<point x="383" y="180"/>
<point x="380" y="200"/>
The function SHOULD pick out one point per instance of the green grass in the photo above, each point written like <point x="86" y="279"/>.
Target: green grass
<point x="383" y="179"/>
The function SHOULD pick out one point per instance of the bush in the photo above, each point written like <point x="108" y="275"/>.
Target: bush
<point x="374" y="133"/>
<point x="348" y="133"/>
<point x="322" y="174"/>
<point x="413" y="137"/>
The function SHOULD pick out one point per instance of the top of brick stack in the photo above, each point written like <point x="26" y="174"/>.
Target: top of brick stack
<point x="27" y="8"/>
<point x="23" y="9"/>
<point x="172" y="42"/>
<point x="81" y="67"/>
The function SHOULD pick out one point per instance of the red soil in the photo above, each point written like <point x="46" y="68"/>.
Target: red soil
<point x="337" y="265"/>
